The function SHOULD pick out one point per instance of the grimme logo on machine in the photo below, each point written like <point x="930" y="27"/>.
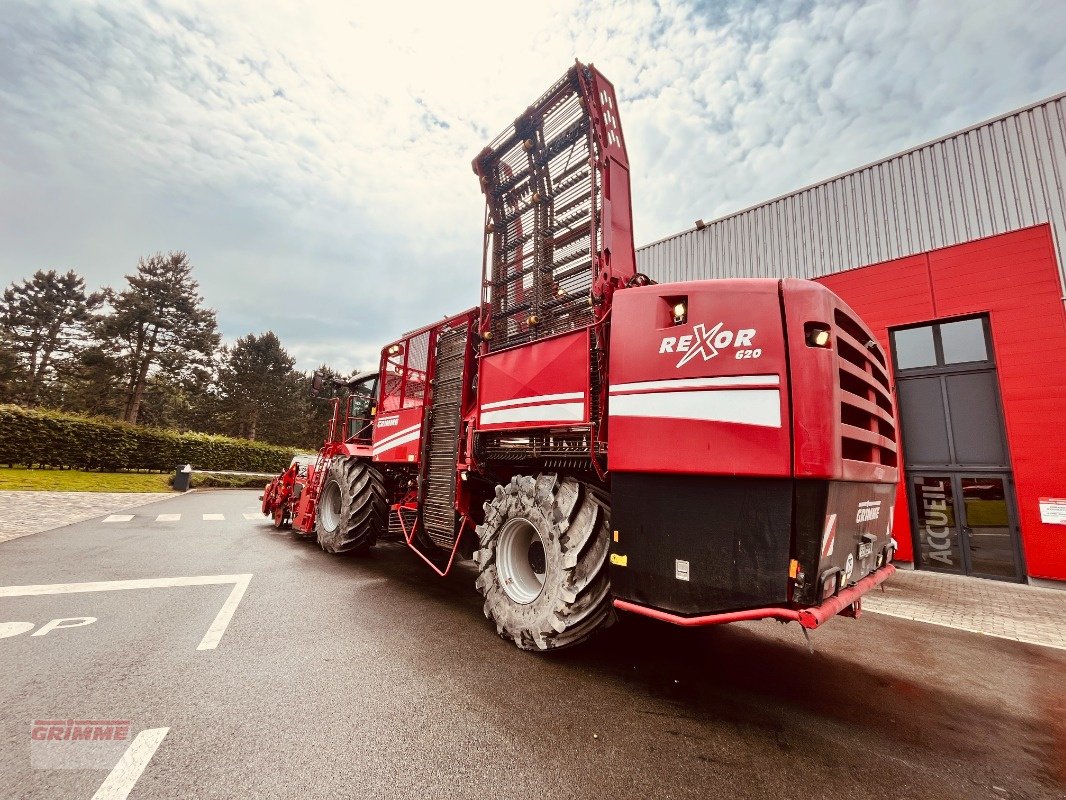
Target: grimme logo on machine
<point x="869" y="510"/>
<point x="707" y="342"/>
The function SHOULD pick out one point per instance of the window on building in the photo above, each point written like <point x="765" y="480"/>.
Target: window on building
<point x="954" y="343"/>
<point x="915" y="347"/>
<point x="964" y="341"/>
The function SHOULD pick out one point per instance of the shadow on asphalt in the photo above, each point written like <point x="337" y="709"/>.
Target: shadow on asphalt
<point x="872" y="677"/>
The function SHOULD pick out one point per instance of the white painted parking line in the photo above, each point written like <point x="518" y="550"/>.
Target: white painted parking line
<point x="119" y="518"/>
<point x="225" y="614"/>
<point x="168" y="518"/>
<point x="214" y="633"/>
<point x="120" y="781"/>
<point x="253" y="516"/>
<point x="214" y="517"/>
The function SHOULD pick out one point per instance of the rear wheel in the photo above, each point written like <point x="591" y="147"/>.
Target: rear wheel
<point x="543" y="562"/>
<point x="352" y="510"/>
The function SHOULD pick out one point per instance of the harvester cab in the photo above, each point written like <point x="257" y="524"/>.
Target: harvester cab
<point x="360" y="408"/>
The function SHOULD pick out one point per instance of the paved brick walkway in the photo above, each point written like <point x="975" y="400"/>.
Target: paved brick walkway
<point x="23" y="513"/>
<point x="1007" y="610"/>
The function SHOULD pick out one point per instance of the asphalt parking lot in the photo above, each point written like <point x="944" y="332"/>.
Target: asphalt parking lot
<point x="322" y="676"/>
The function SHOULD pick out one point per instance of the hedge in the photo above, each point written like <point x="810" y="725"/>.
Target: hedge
<point x="211" y="480"/>
<point x="56" y="439"/>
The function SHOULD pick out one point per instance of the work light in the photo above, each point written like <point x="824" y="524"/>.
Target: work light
<point x="818" y="335"/>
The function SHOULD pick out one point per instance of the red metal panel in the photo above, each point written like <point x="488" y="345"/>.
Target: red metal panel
<point x="537" y="385"/>
<point x="398" y="435"/>
<point x="1013" y="278"/>
<point x="706" y="396"/>
<point x="891" y="293"/>
<point x="617" y="254"/>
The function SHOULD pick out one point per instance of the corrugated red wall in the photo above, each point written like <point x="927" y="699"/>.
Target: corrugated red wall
<point x="1013" y="278"/>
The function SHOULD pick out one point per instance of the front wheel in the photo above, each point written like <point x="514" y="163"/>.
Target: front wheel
<point x="543" y="562"/>
<point x="352" y="509"/>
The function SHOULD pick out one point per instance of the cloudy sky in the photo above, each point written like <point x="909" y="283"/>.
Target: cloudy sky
<point x="314" y="159"/>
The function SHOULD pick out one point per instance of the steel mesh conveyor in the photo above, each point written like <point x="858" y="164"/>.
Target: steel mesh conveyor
<point x="544" y="219"/>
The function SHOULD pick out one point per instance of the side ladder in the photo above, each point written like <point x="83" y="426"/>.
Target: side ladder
<point x="438" y="485"/>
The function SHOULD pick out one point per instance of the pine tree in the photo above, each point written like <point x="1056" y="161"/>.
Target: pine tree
<point x="258" y="381"/>
<point x="92" y="382"/>
<point x="158" y="325"/>
<point x="9" y="369"/>
<point x="46" y="321"/>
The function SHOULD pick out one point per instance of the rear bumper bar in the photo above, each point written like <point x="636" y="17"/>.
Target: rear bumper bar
<point x="807" y="617"/>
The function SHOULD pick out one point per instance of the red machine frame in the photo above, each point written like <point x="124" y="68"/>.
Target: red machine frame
<point x="712" y="393"/>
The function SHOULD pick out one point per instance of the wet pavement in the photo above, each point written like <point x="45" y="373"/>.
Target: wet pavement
<point x="374" y="678"/>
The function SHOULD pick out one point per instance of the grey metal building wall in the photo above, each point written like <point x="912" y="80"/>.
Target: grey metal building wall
<point x="1001" y="175"/>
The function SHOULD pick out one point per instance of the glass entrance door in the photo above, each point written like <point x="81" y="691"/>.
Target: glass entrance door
<point x="937" y="523"/>
<point x="988" y="526"/>
<point x="966" y="524"/>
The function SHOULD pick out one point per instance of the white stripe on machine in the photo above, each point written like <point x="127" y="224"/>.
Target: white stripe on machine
<point x="534" y="400"/>
<point x="405" y="436"/>
<point x="829" y="535"/>
<point x="697" y="383"/>
<point x="542" y="412"/>
<point x="759" y="407"/>
<point x="386" y="442"/>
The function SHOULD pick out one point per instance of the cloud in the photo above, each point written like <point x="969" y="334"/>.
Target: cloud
<point x="315" y="162"/>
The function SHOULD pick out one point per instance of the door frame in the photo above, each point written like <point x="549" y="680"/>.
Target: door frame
<point x="1012" y="523"/>
<point x="941" y="370"/>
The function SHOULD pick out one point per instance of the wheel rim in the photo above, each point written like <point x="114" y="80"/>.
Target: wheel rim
<point x="520" y="560"/>
<point x="330" y="506"/>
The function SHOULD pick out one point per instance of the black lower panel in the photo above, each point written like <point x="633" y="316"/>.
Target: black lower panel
<point x="841" y="526"/>
<point x="694" y="544"/>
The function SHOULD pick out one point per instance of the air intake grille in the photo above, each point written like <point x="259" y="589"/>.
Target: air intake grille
<point x="438" y="509"/>
<point x="868" y="427"/>
<point x="543" y="205"/>
<point x="555" y="449"/>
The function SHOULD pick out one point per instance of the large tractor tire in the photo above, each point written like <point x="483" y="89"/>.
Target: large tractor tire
<point x="543" y="562"/>
<point x="352" y="509"/>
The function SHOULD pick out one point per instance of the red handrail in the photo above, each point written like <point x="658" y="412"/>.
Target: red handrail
<point x="807" y="617"/>
<point x="399" y="508"/>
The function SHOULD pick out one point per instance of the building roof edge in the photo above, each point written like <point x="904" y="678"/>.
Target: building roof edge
<point x="990" y="121"/>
